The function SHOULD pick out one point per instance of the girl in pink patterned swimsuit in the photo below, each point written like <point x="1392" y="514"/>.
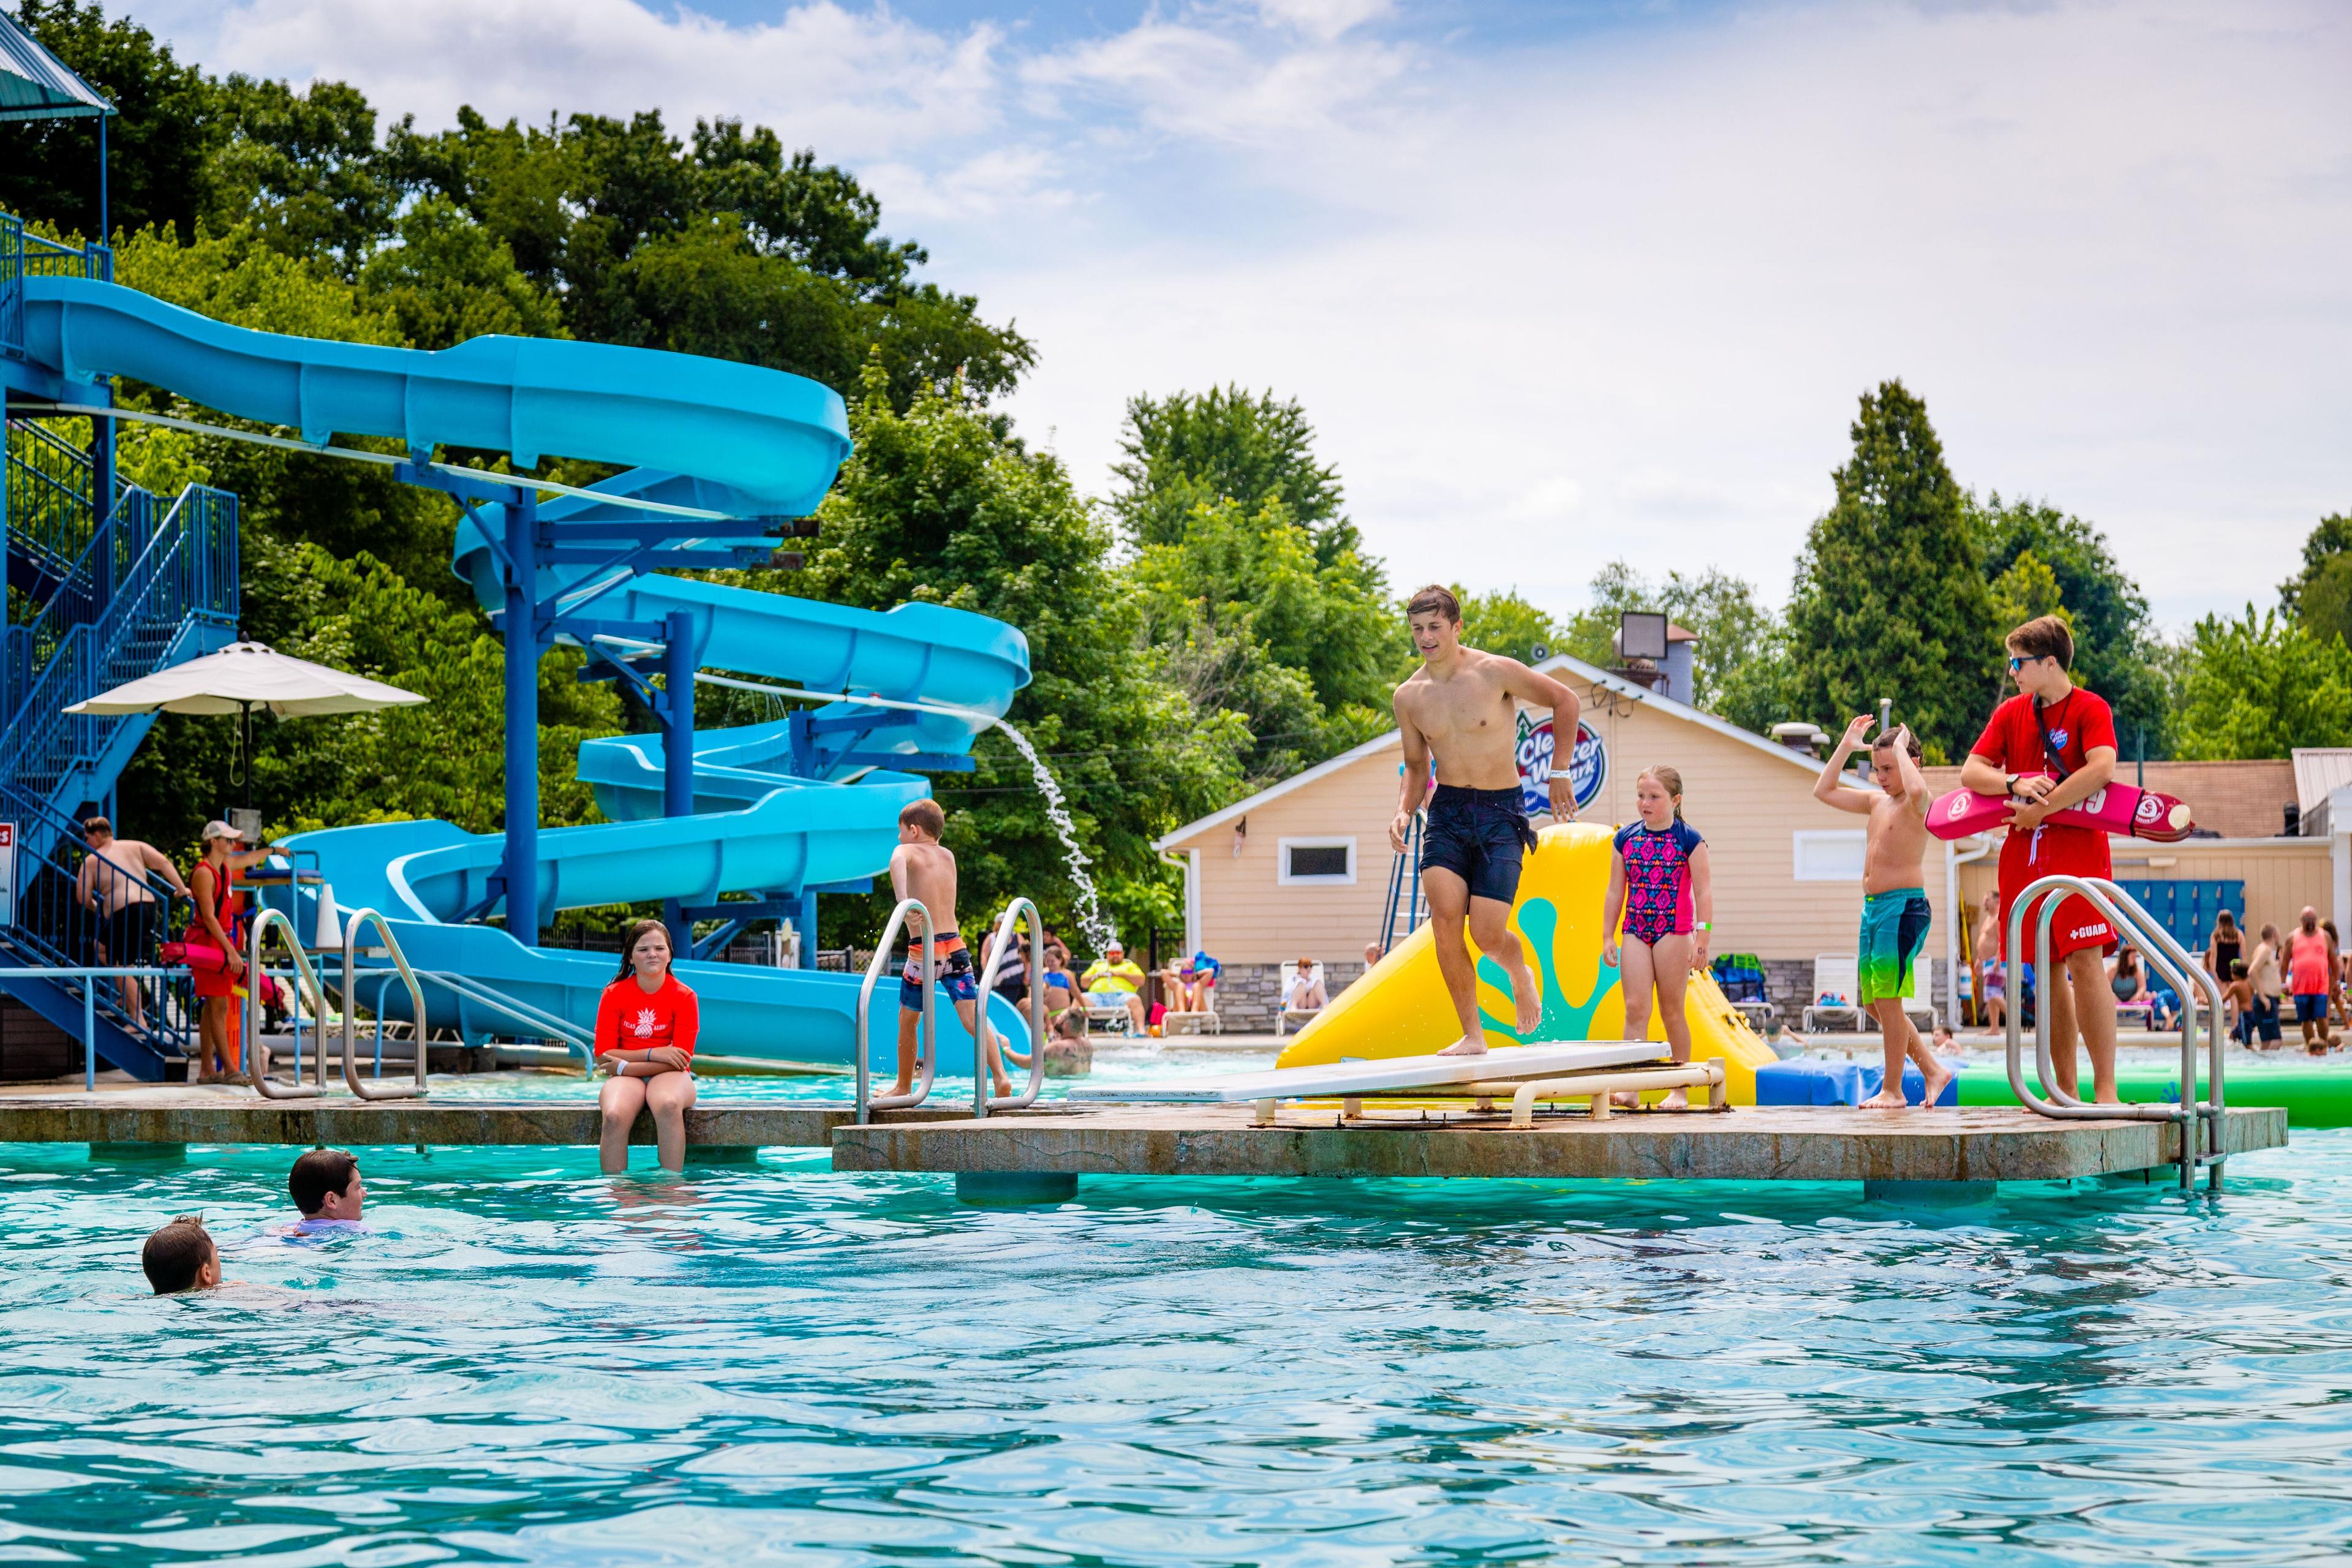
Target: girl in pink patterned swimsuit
<point x="1658" y="882"/>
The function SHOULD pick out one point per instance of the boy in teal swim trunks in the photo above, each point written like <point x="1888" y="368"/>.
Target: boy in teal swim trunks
<point x="1895" y="908"/>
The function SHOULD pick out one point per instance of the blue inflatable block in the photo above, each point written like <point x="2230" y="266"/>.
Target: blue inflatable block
<point x="1809" y="1082"/>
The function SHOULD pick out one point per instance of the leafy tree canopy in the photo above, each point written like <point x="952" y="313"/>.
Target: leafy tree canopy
<point x="1193" y="449"/>
<point x="2261" y="686"/>
<point x="1247" y="621"/>
<point x="1736" y="636"/>
<point x="1890" y="597"/>
<point x="938" y="506"/>
<point x="2041" y="561"/>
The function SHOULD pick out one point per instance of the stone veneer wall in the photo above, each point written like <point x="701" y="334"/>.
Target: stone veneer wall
<point x="1250" y="994"/>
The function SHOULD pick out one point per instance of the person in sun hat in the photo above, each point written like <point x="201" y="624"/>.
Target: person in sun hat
<point x="1115" y="976"/>
<point x="215" y="928"/>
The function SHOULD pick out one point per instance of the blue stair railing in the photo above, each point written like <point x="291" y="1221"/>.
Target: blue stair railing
<point x="106" y="582"/>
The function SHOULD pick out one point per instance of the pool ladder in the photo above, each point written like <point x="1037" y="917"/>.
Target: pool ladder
<point x="305" y="976"/>
<point x="992" y="956"/>
<point x="2203" y="1136"/>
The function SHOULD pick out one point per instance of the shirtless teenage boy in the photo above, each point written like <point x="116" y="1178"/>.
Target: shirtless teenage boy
<point x="1895" y="908"/>
<point x="924" y="870"/>
<point x="1459" y="706"/>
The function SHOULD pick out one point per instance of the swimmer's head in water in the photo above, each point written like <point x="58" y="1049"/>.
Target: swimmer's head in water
<point x="180" y="1257"/>
<point x="325" y="1185"/>
<point x="644" y="949"/>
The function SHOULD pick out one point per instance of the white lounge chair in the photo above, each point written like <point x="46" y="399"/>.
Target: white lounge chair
<point x="1835" y="974"/>
<point x="1200" y="1020"/>
<point x="1298" y="1016"/>
<point x="1107" y="1013"/>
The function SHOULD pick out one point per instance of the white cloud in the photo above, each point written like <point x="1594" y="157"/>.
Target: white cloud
<point x="1613" y="294"/>
<point x="861" y="84"/>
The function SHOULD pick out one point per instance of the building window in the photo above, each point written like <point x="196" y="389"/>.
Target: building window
<point x="1313" y="862"/>
<point x="1829" y="854"/>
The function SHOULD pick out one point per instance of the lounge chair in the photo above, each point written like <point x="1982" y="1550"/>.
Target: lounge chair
<point x="1298" y="1016"/>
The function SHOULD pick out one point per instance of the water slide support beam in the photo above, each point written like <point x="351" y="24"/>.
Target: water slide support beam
<point x="520" y="874"/>
<point x="677" y="748"/>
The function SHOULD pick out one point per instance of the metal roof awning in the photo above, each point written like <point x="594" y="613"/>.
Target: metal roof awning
<point x="35" y="85"/>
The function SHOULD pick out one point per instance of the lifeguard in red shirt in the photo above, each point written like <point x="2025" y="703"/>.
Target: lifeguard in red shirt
<point x="2054" y="727"/>
<point x="645" y="1026"/>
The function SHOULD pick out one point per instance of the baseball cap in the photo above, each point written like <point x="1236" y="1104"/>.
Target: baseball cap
<point x="218" y="829"/>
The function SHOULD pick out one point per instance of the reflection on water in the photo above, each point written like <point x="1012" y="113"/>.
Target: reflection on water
<point x="526" y="1360"/>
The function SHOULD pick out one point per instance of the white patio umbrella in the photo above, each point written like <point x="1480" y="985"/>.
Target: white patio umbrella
<point x="241" y="678"/>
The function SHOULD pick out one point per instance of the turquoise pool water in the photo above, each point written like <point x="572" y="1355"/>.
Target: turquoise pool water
<point x="529" y="1363"/>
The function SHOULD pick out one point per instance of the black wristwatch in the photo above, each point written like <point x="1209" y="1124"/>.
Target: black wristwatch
<point x="2009" y="785"/>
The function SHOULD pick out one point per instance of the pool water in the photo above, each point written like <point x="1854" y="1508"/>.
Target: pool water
<point x="525" y="1362"/>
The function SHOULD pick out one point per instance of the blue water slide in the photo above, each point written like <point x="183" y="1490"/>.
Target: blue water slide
<point x="749" y="443"/>
<point x="773" y="440"/>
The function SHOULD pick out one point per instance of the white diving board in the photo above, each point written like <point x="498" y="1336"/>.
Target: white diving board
<point x="1337" y="1080"/>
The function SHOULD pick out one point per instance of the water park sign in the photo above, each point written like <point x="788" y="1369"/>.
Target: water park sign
<point x="1588" y="764"/>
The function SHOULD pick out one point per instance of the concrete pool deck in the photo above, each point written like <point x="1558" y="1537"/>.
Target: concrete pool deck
<point x="1968" y="1146"/>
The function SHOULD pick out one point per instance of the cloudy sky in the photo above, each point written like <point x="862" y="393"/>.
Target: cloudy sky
<point x="1563" y="282"/>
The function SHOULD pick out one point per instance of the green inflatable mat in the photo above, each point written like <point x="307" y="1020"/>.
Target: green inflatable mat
<point x="2314" y="1093"/>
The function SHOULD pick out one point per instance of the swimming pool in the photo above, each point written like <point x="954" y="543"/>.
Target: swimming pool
<point x="529" y="1363"/>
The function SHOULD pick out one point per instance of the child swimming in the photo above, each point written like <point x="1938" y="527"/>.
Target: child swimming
<point x="646" y="1022"/>
<point x="180" y="1257"/>
<point x="1659" y="882"/>
<point x="326" y="1187"/>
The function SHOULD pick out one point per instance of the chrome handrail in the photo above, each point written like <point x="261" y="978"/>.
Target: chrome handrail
<point x="999" y="943"/>
<point x="2185" y="965"/>
<point x="302" y="972"/>
<point x="927" y="1037"/>
<point x="352" y="1079"/>
<point x="2060" y="1104"/>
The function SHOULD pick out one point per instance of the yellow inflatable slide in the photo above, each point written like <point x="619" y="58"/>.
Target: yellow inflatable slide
<point x="1400" y="1008"/>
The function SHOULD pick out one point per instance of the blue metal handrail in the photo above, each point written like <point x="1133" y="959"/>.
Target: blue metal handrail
<point x="88" y="974"/>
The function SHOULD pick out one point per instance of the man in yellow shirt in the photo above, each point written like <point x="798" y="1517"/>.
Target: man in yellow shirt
<point x="1113" y="976"/>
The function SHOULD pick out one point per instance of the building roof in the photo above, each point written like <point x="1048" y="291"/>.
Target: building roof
<point x="1558" y="664"/>
<point x="2319" y="771"/>
<point x="2234" y="799"/>
<point x="35" y="85"/>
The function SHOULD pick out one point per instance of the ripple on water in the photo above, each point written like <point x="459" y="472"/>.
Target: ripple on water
<point x="526" y="1362"/>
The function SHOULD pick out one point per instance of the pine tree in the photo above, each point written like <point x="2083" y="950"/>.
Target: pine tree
<point x="1890" y="597"/>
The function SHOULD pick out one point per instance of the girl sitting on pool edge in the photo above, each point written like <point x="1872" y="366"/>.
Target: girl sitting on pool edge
<point x="646" y="1025"/>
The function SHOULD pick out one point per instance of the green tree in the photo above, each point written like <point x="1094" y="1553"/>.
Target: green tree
<point x="449" y="278"/>
<point x="2320" y="595"/>
<point x="1737" y="637"/>
<point x="2329" y="542"/>
<point x="2027" y="591"/>
<point x="726" y="248"/>
<point x="1502" y="623"/>
<point x="938" y="506"/>
<point x="1246" y="620"/>
<point x="158" y="145"/>
<point x="2261" y="687"/>
<point x="1188" y="450"/>
<point x="2072" y="571"/>
<point x="1890" y="597"/>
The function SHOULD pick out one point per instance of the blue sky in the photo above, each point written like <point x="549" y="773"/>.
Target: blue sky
<point x="1569" y="283"/>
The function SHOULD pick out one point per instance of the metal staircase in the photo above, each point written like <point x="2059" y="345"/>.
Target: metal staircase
<point x="96" y="597"/>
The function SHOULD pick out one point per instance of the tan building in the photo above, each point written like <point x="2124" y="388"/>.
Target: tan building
<point x="1303" y="868"/>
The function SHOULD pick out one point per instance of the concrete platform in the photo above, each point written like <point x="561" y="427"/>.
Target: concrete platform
<point x="1774" y="1144"/>
<point x="183" y="1116"/>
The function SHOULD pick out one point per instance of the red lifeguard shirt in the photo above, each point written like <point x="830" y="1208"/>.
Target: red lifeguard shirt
<point x="2013" y="741"/>
<point x="630" y="1017"/>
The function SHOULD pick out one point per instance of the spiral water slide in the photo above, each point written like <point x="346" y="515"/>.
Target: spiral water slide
<point x="775" y="809"/>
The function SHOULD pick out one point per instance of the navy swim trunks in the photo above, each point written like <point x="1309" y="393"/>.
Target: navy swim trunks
<point x="950" y="965"/>
<point x="1480" y="836"/>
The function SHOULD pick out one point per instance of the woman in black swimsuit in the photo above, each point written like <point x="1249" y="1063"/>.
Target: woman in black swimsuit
<point x="2222" y="950"/>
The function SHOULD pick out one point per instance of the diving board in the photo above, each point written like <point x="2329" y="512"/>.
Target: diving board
<point x="1347" y="1079"/>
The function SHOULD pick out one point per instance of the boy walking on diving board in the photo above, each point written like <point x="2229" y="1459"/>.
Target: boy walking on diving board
<point x="924" y="870"/>
<point x="1895" y="908"/>
<point x="1459" y="706"/>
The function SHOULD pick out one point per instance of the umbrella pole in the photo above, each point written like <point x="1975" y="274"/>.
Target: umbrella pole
<point x="245" y="746"/>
